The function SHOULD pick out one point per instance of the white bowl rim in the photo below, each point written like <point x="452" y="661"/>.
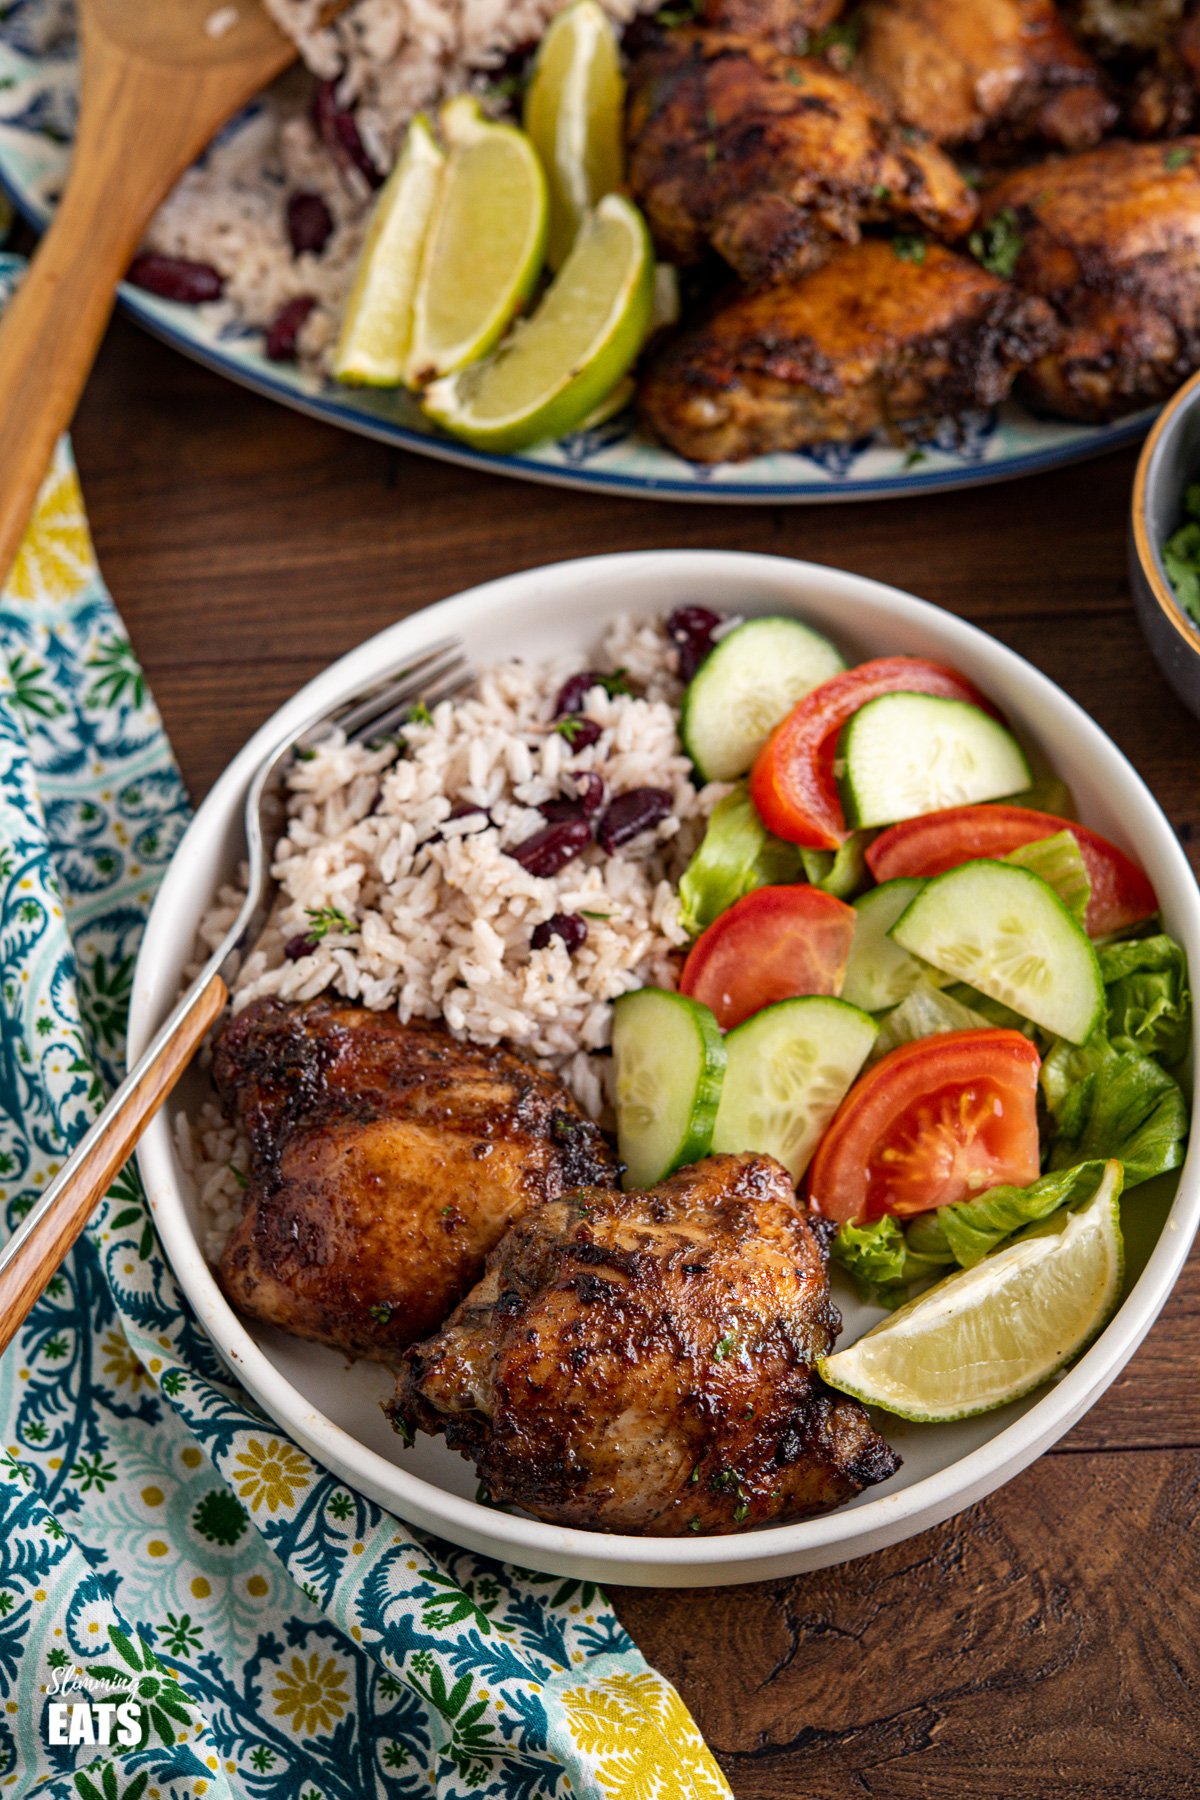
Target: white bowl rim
<point x="885" y="1517"/>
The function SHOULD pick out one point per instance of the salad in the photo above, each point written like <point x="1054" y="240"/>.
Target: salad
<point x="945" y="1005"/>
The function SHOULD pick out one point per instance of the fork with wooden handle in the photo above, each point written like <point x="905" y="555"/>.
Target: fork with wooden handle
<point x="156" y="85"/>
<point x="40" y="1243"/>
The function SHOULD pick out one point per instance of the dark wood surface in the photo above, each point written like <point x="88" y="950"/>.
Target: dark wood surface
<point x="1045" y="1642"/>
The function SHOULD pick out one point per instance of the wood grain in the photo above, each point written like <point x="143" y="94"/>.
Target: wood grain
<point x="1042" y="1645"/>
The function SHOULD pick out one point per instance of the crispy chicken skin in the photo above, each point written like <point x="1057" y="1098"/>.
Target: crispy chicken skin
<point x="644" y="1362"/>
<point x="788" y="23"/>
<point x="386" y="1160"/>
<point x="873" y="339"/>
<point x="1112" y="239"/>
<point x="1166" y="99"/>
<point x="771" y="159"/>
<point x="966" y="70"/>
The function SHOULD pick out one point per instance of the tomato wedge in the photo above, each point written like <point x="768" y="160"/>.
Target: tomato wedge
<point x="935" y="1121"/>
<point x="1121" y="894"/>
<point x="792" y="782"/>
<point x="770" y="945"/>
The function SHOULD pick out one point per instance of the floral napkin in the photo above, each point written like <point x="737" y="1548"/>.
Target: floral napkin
<point x="162" y="1545"/>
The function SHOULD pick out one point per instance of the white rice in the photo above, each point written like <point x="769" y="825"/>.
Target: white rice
<point x="391" y="58"/>
<point x="441" y="914"/>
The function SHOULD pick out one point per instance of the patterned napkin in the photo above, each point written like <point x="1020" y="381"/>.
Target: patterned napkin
<point x="160" y="1541"/>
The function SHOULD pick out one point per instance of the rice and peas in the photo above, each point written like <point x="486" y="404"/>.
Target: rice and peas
<point x="381" y="62"/>
<point x="397" y="886"/>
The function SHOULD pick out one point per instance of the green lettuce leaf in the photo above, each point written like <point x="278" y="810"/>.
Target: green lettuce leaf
<point x="1058" y="861"/>
<point x="880" y="1260"/>
<point x="1105" y="1102"/>
<point x="1149" y="1006"/>
<point x="737" y="855"/>
<point x="926" y="1012"/>
<point x="971" y="1229"/>
<point x="843" y="872"/>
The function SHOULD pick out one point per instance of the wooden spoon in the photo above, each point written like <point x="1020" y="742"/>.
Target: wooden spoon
<point x="156" y="85"/>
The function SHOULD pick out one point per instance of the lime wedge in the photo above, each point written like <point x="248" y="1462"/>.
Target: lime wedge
<point x="989" y="1334"/>
<point x="559" y="366"/>
<point x="485" y="247"/>
<point x="373" y="343"/>
<point x="574" y="112"/>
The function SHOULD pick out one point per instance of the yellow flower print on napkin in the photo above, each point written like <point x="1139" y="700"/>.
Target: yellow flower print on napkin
<point x="56" y="560"/>
<point x="271" y="1474"/>
<point x="311" y="1694"/>
<point x="642" y="1740"/>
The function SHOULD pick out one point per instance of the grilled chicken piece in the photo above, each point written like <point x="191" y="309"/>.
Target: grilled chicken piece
<point x="788" y="23"/>
<point x="644" y="1362"/>
<point x="965" y="70"/>
<point x="772" y="159"/>
<point x="873" y="339"/>
<point x="386" y="1160"/>
<point x="1166" y="100"/>
<point x="1112" y="239"/>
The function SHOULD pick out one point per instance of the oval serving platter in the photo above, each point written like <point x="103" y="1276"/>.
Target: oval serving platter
<point x="333" y="1409"/>
<point x="38" y="78"/>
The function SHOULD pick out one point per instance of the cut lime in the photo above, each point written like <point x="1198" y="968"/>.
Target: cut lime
<point x="484" y="249"/>
<point x="989" y="1334"/>
<point x="574" y="112"/>
<point x="583" y="338"/>
<point x="373" y="344"/>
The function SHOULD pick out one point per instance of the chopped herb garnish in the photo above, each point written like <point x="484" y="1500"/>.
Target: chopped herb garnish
<point x="795" y="76"/>
<point x="909" y="247"/>
<point x="741" y="1511"/>
<point x="725" y="1478"/>
<point x="727" y="1345"/>
<point x="694" y="1477"/>
<point x="615" y="683"/>
<point x="381" y="1312"/>
<point x="1177" y="156"/>
<point x="237" y="1175"/>
<point x="446" y="1211"/>
<point x="571" y="726"/>
<point x="684" y="12"/>
<point x="915" y="458"/>
<point x="419" y="714"/>
<point x="881" y="191"/>
<point x="998" y="246"/>
<point x="506" y="87"/>
<point x="1181" y="556"/>
<point x="696" y="1524"/>
<point x="592" y="915"/>
<point x="404" y="1431"/>
<point x="846" y="35"/>
<point x="710" y="153"/>
<point x="324" y="919"/>
<point x="305" y="755"/>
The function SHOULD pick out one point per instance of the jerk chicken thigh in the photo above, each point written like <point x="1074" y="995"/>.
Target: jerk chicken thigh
<point x="386" y="1160"/>
<point x="771" y="159"/>
<point x="790" y="24"/>
<point x="1111" y="238"/>
<point x="644" y="1361"/>
<point x="966" y="70"/>
<point x="871" y="340"/>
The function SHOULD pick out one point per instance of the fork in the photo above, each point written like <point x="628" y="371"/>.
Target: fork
<point x="35" y="1251"/>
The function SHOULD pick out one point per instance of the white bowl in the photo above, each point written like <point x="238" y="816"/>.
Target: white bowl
<point x="332" y="1408"/>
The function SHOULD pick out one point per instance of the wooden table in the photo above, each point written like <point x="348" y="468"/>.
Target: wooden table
<point x="1045" y="1642"/>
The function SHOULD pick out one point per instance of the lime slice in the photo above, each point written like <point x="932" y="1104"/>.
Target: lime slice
<point x="574" y="112"/>
<point x="582" y="339"/>
<point x="485" y="247"/>
<point x="989" y="1334"/>
<point x="373" y="344"/>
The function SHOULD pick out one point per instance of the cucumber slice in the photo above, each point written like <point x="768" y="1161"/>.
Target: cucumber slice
<point x="670" y="1057"/>
<point x="906" y="754"/>
<point x="1003" y="930"/>
<point x="747" y="684"/>
<point x="789" y="1068"/>
<point x="880" y="974"/>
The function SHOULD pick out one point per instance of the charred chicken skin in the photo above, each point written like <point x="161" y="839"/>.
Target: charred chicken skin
<point x="968" y="70"/>
<point x="791" y="24"/>
<point x="772" y="160"/>
<point x="1111" y="239"/>
<point x="872" y="340"/>
<point x="386" y="1160"/>
<point x="644" y="1362"/>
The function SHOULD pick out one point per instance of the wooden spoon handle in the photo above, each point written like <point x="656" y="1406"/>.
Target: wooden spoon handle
<point x="128" y="153"/>
<point x="37" y="1249"/>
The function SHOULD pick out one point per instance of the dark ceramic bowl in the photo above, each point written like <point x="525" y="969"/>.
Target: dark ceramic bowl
<point x="1170" y="460"/>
